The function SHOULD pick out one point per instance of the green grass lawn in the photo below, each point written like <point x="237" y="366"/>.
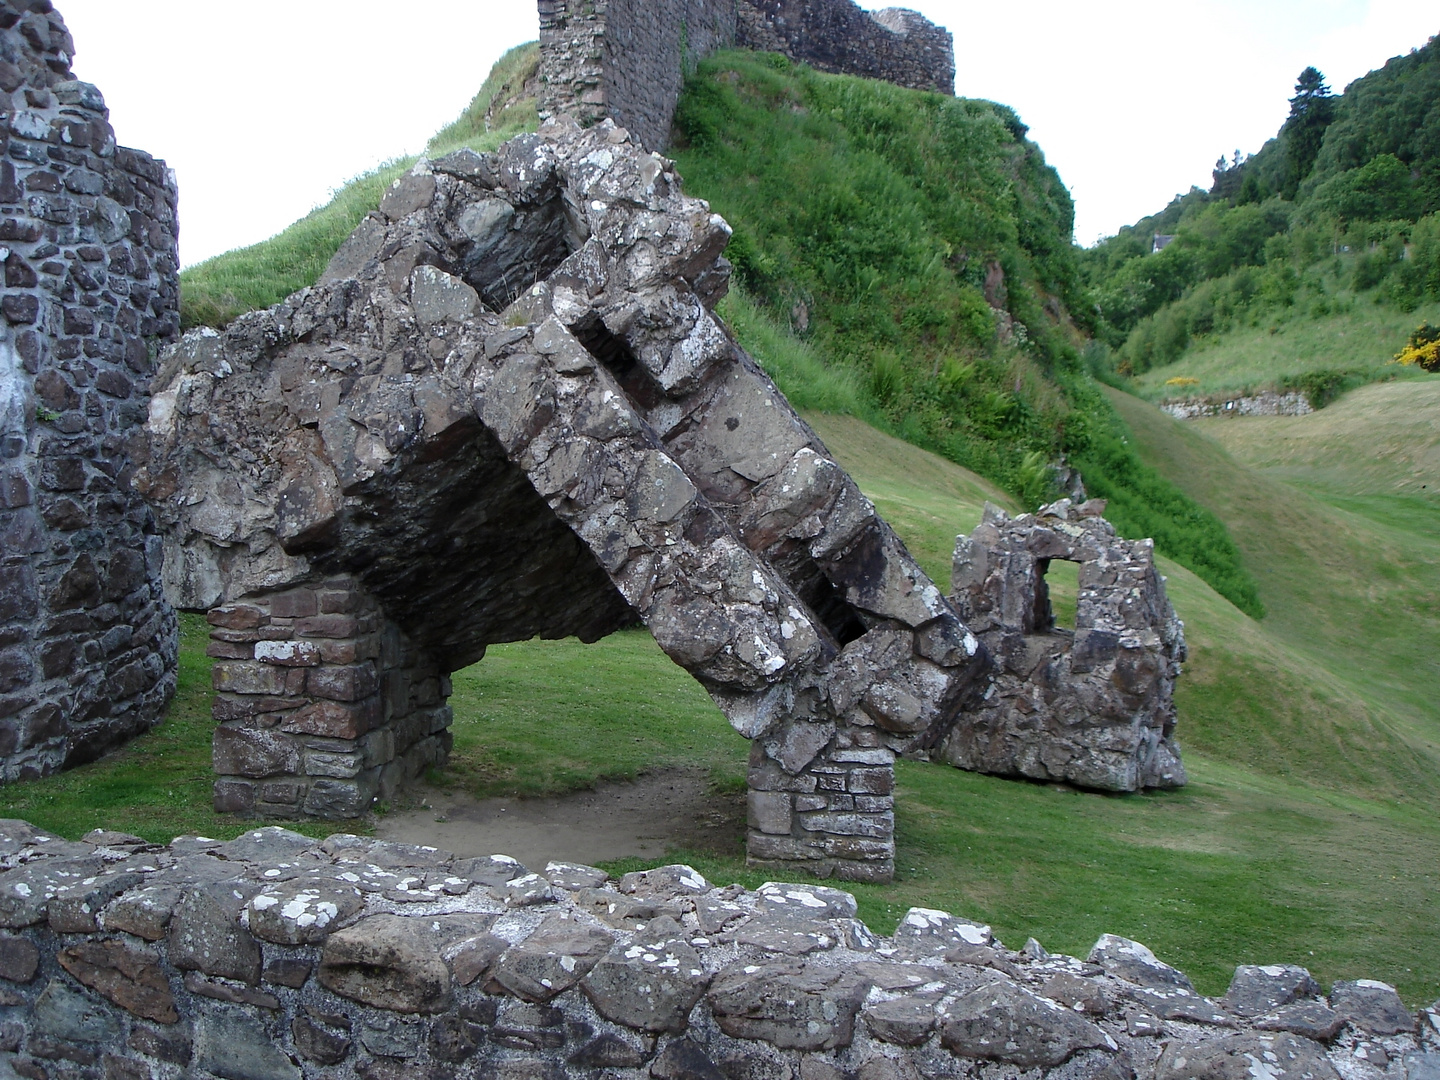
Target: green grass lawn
<point x="1350" y="575"/>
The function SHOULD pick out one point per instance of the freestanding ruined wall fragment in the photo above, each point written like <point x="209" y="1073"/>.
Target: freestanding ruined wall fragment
<point x="507" y="410"/>
<point x="1096" y="706"/>
<point x="627" y="59"/>
<point x="87" y="239"/>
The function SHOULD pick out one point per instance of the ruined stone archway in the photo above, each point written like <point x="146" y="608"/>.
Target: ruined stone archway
<point x="507" y="410"/>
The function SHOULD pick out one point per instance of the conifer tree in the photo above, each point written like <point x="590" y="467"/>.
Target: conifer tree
<point x="1312" y="110"/>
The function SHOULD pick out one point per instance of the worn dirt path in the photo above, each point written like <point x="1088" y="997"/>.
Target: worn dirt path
<point x="673" y="808"/>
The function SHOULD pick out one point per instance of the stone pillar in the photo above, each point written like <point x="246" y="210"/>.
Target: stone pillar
<point x="823" y="799"/>
<point x="322" y="705"/>
<point x="87" y="241"/>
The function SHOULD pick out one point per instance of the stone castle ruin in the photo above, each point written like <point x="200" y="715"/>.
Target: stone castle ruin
<point x="87" y="239"/>
<point x="627" y="59"/>
<point x="507" y="410"/>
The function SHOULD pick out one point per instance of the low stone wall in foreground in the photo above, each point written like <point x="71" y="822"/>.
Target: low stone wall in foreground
<point x="276" y="957"/>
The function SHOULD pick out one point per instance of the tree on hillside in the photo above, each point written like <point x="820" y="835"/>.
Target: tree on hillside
<point x="1312" y="110"/>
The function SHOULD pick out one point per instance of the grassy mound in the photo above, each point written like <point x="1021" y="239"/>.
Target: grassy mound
<point x="214" y="292"/>
<point x="906" y="258"/>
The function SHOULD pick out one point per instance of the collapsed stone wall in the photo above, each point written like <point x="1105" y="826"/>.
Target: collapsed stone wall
<point x="507" y="410"/>
<point x="627" y="59"/>
<point x="87" y="237"/>
<point x="278" y="957"/>
<point x="1094" y="706"/>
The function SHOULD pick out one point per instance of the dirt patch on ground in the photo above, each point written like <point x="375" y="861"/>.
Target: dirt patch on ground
<point x="659" y="811"/>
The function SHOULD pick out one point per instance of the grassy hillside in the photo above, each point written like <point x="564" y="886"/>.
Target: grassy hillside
<point x="217" y="290"/>
<point x="1327" y="241"/>
<point x="1348" y="347"/>
<point x="919" y="247"/>
<point x="1349" y="575"/>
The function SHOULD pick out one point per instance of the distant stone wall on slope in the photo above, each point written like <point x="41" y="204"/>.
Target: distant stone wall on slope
<point x="278" y="957"/>
<point x="627" y="59"/>
<point x="1269" y="403"/>
<point x="896" y="45"/>
<point x="87" y="238"/>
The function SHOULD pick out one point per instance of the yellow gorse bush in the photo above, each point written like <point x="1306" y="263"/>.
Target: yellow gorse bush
<point x="1423" y="348"/>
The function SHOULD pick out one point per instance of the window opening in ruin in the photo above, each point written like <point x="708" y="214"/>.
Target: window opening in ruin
<point x="1060" y="592"/>
<point x="825" y="601"/>
<point x="617" y="358"/>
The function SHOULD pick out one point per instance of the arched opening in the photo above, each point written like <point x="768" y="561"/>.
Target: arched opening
<point x="1058" y="593"/>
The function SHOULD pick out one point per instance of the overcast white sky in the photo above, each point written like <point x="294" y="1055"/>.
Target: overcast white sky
<point x="263" y="108"/>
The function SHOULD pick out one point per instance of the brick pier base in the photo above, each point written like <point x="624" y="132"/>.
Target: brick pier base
<point x="824" y="800"/>
<point x="322" y="705"/>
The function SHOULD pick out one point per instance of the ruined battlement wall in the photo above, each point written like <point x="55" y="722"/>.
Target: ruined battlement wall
<point x="87" y="239"/>
<point x="280" y="957"/>
<point x="896" y="45"/>
<point x="627" y="59"/>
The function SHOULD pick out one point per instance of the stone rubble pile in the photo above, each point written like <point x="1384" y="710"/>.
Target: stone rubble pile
<point x="1093" y="706"/>
<point x="87" y="241"/>
<point x="275" y="956"/>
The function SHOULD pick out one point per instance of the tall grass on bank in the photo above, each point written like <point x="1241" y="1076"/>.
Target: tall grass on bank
<point x="874" y="229"/>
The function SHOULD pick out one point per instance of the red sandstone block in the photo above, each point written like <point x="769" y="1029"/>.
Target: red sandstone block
<point x="243" y="751"/>
<point x="338" y="602"/>
<point x="235" y="637"/>
<point x="340" y="652"/>
<point x="227" y="707"/>
<point x="335" y="720"/>
<point x="236" y="677"/>
<point x="235" y="616"/>
<point x="327" y="626"/>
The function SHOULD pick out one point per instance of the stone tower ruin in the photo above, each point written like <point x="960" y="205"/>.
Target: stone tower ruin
<point x="87" y="238"/>
<point x="1094" y="705"/>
